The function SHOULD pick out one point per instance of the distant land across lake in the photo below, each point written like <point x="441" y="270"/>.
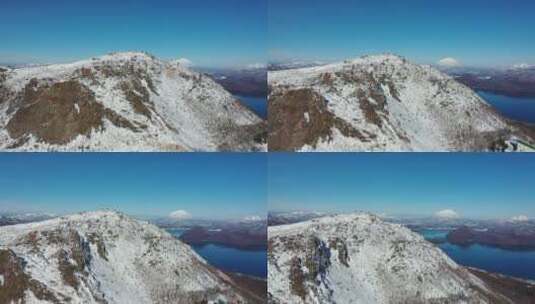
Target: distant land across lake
<point x="516" y="263"/>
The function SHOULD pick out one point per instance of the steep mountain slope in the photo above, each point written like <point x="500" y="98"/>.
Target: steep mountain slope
<point x="123" y="101"/>
<point x="105" y="257"/>
<point x="358" y="258"/>
<point x="381" y="103"/>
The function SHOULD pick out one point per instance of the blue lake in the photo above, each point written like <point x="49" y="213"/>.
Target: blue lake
<point x="249" y="262"/>
<point x="521" y="109"/>
<point x="256" y="104"/>
<point x="514" y="263"/>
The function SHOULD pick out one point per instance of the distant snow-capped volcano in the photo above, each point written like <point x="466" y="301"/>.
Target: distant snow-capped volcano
<point x="359" y="259"/>
<point x="105" y="257"/>
<point x="122" y="102"/>
<point x="382" y="103"/>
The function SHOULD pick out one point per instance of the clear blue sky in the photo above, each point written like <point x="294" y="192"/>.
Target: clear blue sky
<point x="208" y="32"/>
<point x="474" y="185"/>
<point x="212" y="185"/>
<point x="475" y="32"/>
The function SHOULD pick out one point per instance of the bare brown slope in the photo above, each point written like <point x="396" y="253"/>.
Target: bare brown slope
<point x="58" y="113"/>
<point x="300" y="117"/>
<point x="520" y="292"/>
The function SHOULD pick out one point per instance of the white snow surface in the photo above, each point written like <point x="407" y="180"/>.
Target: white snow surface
<point x="307" y="117"/>
<point x="427" y="111"/>
<point x="188" y="112"/>
<point x="386" y="263"/>
<point x="141" y="264"/>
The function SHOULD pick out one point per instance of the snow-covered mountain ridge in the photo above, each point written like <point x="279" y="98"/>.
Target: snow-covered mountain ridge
<point x="381" y="103"/>
<point x="128" y="101"/>
<point x="358" y="258"/>
<point x="105" y="257"/>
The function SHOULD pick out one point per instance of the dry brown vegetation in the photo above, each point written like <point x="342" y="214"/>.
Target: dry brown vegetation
<point x="290" y="130"/>
<point x="518" y="291"/>
<point x="236" y="137"/>
<point x="57" y="113"/>
<point x="17" y="282"/>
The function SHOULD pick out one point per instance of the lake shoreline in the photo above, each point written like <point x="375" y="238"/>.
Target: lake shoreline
<point x="519" y="109"/>
<point x="518" y="264"/>
<point x="257" y="104"/>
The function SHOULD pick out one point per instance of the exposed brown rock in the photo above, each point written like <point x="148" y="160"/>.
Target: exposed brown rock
<point x="473" y="140"/>
<point x="138" y="96"/>
<point x="253" y="288"/>
<point x="341" y="247"/>
<point x="3" y="75"/>
<point x="121" y="122"/>
<point x="17" y="282"/>
<point x="73" y="262"/>
<point x="289" y="129"/>
<point x="517" y="291"/>
<point x="87" y="73"/>
<point x="31" y="240"/>
<point x="4" y="93"/>
<point x="96" y="239"/>
<point x="58" y="113"/>
<point x="297" y="278"/>
<point x="371" y="109"/>
<point x="49" y="113"/>
<point x="327" y="79"/>
<point x="393" y="91"/>
<point x="318" y="258"/>
<point x="241" y="138"/>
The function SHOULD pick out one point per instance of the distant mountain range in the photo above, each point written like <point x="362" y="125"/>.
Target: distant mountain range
<point x="359" y="258"/>
<point x="122" y="102"/>
<point x="243" y="82"/>
<point x="516" y="81"/>
<point x="107" y="257"/>
<point x="507" y="237"/>
<point x="246" y="234"/>
<point x="236" y="237"/>
<point x="13" y="218"/>
<point x="384" y="103"/>
<point x="276" y="218"/>
<point x="294" y="64"/>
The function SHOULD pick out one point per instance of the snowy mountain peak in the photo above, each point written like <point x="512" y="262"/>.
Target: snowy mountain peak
<point x="103" y="216"/>
<point x="105" y="257"/>
<point x="122" y="101"/>
<point x="379" y="58"/>
<point x="358" y="258"/>
<point x="182" y="62"/>
<point x="125" y="56"/>
<point x="382" y="103"/>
